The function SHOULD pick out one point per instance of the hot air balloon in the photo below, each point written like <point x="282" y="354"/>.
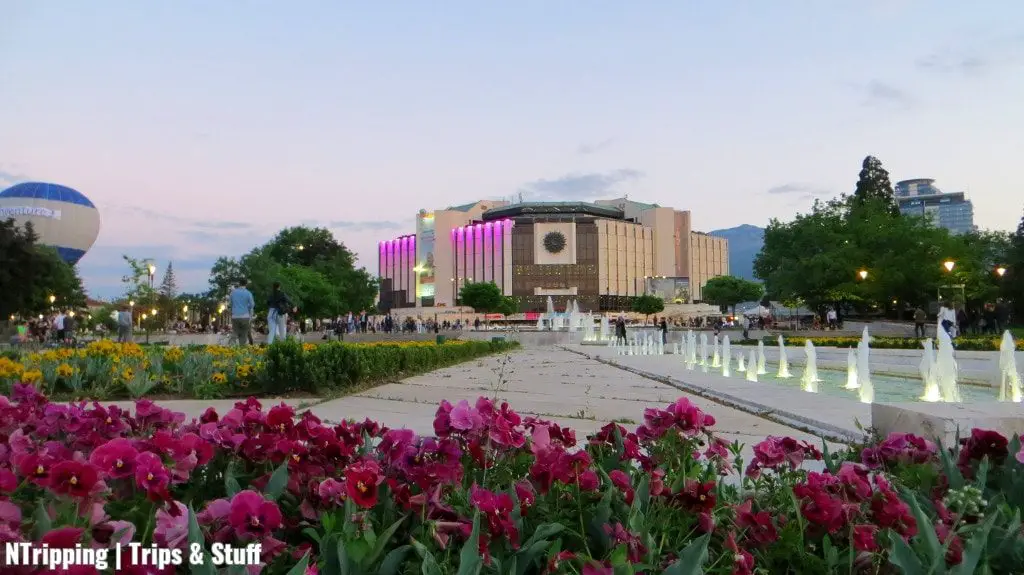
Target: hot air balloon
<point x="64" y="218"/>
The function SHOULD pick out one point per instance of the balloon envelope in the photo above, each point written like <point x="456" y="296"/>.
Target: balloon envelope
<point x="62" y="217"/>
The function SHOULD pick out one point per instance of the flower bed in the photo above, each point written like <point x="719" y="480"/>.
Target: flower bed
<point x="106" y="370"/>
<point x="967" y="343"/>
<point x="496" y="493"/>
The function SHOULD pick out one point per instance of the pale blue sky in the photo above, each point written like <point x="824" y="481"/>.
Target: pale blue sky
<point x="199" y="128"/>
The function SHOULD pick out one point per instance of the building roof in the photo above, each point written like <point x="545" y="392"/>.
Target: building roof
<point x="464" y="207"/>
<point x="916" y="181"/>
<point x="44" y="191"/>
<point x="552" y="208"/>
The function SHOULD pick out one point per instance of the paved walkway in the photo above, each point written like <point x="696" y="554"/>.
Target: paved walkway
<point x="556" y="384"/>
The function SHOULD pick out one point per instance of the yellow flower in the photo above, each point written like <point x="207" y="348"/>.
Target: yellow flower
<point x="10" y="368"/>
<point x="219" y="377"/>
<point x="31" y="376"/>
<point x="65" y="370"/>
<point x="243" y="370"/>
<point x="127" y="374"/>
<point x="173" y="354"/>
<point x="308" y="346"/>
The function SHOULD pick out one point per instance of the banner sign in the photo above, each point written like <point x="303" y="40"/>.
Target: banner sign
<point x="494" y="316"/>
<point x="29" y="211"/>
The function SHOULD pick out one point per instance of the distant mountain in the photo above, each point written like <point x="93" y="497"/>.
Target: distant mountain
<point x="744" y="243"/>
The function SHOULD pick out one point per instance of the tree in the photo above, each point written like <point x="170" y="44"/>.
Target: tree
<point x="727" y="291"/>
<point x="873" y="185"/>
<point x="508" y="306"/>
<point x="1012" y="282"/>
<point x="169" y="285"/>
<point x="647" y="305"/>
<point x="483" y="297"/>
<point x="31" y="273"/>
<point x="316" y="271"/>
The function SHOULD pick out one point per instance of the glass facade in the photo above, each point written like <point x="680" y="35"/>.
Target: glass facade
<point x="425" y="241"/>
<point x="920" y="197"/>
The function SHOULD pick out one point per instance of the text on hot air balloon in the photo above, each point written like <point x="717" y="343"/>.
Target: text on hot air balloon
<point x="29" y="211"/>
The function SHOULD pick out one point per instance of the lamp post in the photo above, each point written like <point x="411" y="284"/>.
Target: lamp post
<point x="949" y="265"/>
<point x="1001" y="271"/>
<point x="863" y="274"/>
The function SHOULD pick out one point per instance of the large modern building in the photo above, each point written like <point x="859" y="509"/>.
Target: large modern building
<point x="599" y="254"/>
<point x="920" y="197"/>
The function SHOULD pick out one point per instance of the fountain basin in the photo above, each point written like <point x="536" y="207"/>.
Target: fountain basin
<point x="887" y="388"/>
<point x="941" y="420"/>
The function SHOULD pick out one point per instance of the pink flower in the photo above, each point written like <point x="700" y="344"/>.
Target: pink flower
<point x="115" y="458"/>
<point x="172" y="529"/>
<point x="151" y="475"/>
<point x="10" y="514"/>
<point x="73" y="478"/>
<point x="465" y="418"/>
<point x="1020" y="454"/>
<point x="252" y="516"/>
<point x="331" y="491"/>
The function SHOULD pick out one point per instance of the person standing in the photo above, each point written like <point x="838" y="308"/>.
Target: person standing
<point x="124" y="324"/>
<point x="663" y="327"/>
<point x="746" y="327"/>
<point x="242" y="306"/>
<point x="278" y="307"/>
<point x="920" y="317"/>
<point x="947" y="318"/>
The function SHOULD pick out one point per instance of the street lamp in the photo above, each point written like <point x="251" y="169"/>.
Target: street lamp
<point x="863" y="274"/>
<point x="1000" y="271"/>
<point x="53" y="298"/>
<point x="948" y="264"/>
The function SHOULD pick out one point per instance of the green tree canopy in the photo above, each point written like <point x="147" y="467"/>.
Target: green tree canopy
<point x="483" y="297"/>
<point x="31" y="273"/>
<point x="817" y="257"/>
<point x="648" y="304"/>
<point x="315" y="270"/>
<point x="1012" y="281"/>
<point x="727" y="291"/>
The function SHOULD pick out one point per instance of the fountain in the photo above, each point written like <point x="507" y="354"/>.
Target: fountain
<point x="810" y="376"/>
<point x="574" y="312"/>
<point x="606" y="330"/>
<point x="726" y="357"/>
<point x="691" y="344"/>
<point x="716" y="359"/>
<point x="927" y="369"/>
<point x="588" y="329"/>
<point x="946" y="370"/>
<point x="752" y="371"/>
<point x="783" y="361"/>
<point x="851" y="370"/>
<point x="1009" y="389"/>
<point x="704" y="352"/>
<point x="762" y="362"/>
<point x="867" y="391"/>
<point x="741" y="366"/>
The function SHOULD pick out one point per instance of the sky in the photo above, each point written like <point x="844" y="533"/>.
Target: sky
<point x="201" y="128"/>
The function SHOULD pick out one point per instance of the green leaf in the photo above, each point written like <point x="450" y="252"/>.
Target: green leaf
<point x="195" y="536"/>
<point x="428" y="565"/>
<point x="544" y="531"/>
<point x="691" y="559"/>
<point x="526" y="556"/>
<point x="936" y="552"/>
<point x="470" y="561"/>
<point x="382" y="542"/>
<point x="394" y="560"/>
<point x="301" y="566"/>
<point x="1012" y="530"/>
<point x="956" y="479"/>
<point x="975" y="548"/>
<point x="982" y="474"/>
<point x="278" y="482"/>
<point x="902" y="556"/>
<point x="42" y="519"/>
<point x="643" y="493"/>
<point x="330" y="548"/>
<point x="830" y="464"/>
<point x="231" y="486"/>
<point x="312" y="534"/>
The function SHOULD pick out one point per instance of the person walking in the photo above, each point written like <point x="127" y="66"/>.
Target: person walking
<point x="920" y="317"/>
<point x="278" y="307"/>
<point x="242" y="306"/>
